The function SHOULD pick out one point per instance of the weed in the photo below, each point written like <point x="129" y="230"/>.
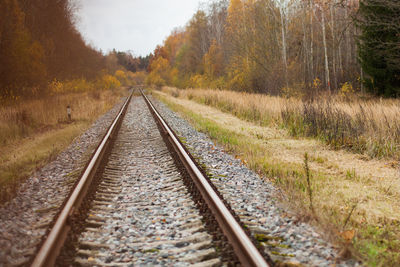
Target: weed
<point x="308" y="176"/>
<point x="151" y="250"/>
<point x="380" y="244"/>
<point x="349" y="215"/>
<point x="318" y="159"/>
<point x="351" y="174"/>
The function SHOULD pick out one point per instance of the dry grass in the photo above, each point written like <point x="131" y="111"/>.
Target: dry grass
<point x="367" y="126"/>
<point x="34" y="131"/>
<point x="24" y="118"/>
<point x="349" y="191"/>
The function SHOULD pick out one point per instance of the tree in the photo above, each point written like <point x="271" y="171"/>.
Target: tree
<point x="379" y="49"/>
<point x="213" y="61"/>
<point x="21" y="58"/>
<point x="198" y="41"/>
<point x="38" y="43"/>
<point x="161" y="72"/>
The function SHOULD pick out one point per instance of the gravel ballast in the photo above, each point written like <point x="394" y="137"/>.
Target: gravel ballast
<point x="255" y="201"/>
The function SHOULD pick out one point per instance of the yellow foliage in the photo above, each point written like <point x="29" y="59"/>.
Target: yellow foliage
<point x="235" y="16"/>
<point x="160" y="72"/>
<point x="108" y="82"/>
<point x="136" y="78"/>
<point x="219" y="83"/>
<point x="237" y="80"/>
<point x="317" y="83"/>
<point x="197" y="81"/>
<point x="78" y="85"/>
<point x="122" y="77"/>
<point x="155" y="79"/>
<point x="71" y="86"/>
<point x="55" y="87"/>
<point x="346" y="90"/>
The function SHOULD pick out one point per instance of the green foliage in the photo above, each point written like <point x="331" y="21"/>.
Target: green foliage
<point x="379" y="49"/>
<point x="380" y="245"/>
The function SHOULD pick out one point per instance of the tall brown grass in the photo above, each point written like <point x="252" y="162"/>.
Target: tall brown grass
<point x="364" y="125"/>
<point x="24" y="118"/>
<point x="23" y="121"/>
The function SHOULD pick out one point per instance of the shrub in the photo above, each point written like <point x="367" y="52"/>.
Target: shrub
<point x="70" y="86"/>
<point x="108" y="82"/>
<point x="346" y="90"/>
<point x="137" y="78"/>
<point x="122" y="77"/>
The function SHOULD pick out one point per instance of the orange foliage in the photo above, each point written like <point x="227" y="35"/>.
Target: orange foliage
<point x="172" y="44"/>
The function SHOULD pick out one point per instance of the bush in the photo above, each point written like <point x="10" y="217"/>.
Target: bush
<point x="121" y="76"/>
<point x="108" y="82"/>
<point x="70" y="86"/>
<point x="197" y="81"/>
<point x="137" y="78"/>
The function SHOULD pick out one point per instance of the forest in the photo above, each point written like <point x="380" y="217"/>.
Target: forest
<point x="294" y="47"/>
<point x="285" y="47"/>
<point x="45" y="66"/>
<point x="41" y="50"/>
<point x="39" y="43"/>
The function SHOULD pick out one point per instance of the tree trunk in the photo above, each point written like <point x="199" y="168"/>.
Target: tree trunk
<point x="284" y="56"/>
<point x="311" y="41"/>
<point x="333" y="46"/>
<point x="347" y="36"/>
<point x="305" y="56"/>
<point x="327" y="78"/>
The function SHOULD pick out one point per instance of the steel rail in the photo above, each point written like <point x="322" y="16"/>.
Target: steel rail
<point x="50" y="249"/>
<point x="244" y="249"/>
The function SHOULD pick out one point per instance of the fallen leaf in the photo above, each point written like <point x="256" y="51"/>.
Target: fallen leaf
<point x="348" y="235"/>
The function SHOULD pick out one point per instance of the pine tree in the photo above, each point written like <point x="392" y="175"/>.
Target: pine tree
<point x="379" y="45"/>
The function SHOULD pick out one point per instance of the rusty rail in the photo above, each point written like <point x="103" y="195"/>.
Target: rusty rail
<point x="50" y="249"/>
<point x="245" y="250"/>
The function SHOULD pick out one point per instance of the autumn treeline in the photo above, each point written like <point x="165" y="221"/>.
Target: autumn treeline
<point x="267" y="46"/>
<point x="39" y="43"/>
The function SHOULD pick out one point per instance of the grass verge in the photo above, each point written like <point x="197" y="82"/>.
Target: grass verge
<point x="354" y="199"/>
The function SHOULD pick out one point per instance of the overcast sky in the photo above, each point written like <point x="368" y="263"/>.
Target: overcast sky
<point x="136" y="25"/>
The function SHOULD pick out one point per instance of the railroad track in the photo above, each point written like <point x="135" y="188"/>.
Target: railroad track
<point x="142" y="200"/>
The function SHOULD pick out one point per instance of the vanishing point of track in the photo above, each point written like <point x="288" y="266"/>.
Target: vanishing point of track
<point x="142" y="172"/>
